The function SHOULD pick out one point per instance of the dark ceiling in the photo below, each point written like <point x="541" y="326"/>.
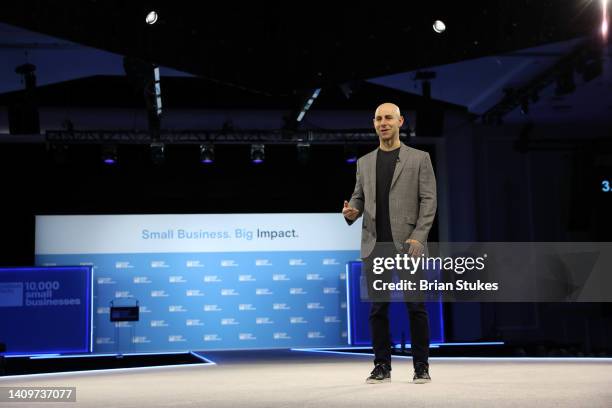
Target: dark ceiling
<point x="278" y="47"/>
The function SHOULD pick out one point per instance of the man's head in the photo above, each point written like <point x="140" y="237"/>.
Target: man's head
<point x="388" y="121"/>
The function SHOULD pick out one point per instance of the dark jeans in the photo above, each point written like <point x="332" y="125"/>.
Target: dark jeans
<point x="381" y="336"/>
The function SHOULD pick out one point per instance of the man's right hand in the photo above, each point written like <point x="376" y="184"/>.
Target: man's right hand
<point x="349" y="213"/>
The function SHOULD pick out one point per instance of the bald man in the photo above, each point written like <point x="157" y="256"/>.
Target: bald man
<point x="395" y="193"/>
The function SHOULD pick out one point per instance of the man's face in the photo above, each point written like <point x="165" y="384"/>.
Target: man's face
<point x="387" y="121"/>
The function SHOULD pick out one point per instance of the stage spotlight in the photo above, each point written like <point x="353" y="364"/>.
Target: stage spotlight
<point x="207" y="154"/>
<point x="303" y="152"/>
<point x="109" y="155"/>
<point x="257" y="153"/>
<point x="350" y="154"/>
<point x="604" y="19"/>
<point x="157" y="153"/>
<point x="151" y="17"/>
<point x="439" y="26"/>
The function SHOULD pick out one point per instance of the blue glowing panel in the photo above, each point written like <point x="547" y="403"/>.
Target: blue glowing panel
<point x="209" y="281"/>
<point x="358" y="312"/>
<point x="46" y="310"/>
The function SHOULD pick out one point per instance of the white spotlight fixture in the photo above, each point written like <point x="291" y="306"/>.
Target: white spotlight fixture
<point x="439" y="26"/>
<point x="151" y="17"/>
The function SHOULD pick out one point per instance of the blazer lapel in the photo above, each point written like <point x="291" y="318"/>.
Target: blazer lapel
<point x="372" y="170"/>
<point x="399" y="166"/>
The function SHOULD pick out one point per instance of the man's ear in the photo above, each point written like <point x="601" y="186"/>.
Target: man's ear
<point x="401" y="121"/>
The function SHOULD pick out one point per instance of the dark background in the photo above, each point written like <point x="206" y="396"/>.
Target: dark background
<point x="505" y="173"/>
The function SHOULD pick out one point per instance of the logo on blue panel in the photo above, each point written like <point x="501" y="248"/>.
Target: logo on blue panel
<point x="330" y="261"/>
<point x="280" y="277"/>
<point x="211" y="308"/>
<point x="263" y="320"/>
<point x="315" y="335"/>
<point x="104" y="340"/>
<point x="103" y="310"/>
<point x="11" y="294"/>
<point x="297" y="320"/>
<point x="313" y="277"/>
<point x="230" y="321"/>
<point x="159" y="264"/>
<point x="176" y="308"/>
<point x="194" y="292"/>
<point x="314" y="305"/>
<point x="159" y="293"/>
<point x="193" y="322"/>
<point x="211" y="337"/>
<point x="176" y="338"/>
<point x="123" y="265"/>
<point x="140" y="340"/>
<point x="176" y="279"/>
<point x="142" y="279"/>
<point x="330" y="291"/>
<point x="245" y="307"/>
<point x="281" y="336"/>
<point x="194" y="264"/>
<point x="246" y="336"/>
<point x="211" y="278"/>
<point x="331" y="319"/>
<point x="280" y="306"/>
<point x="263" y="291"/>
<point x="105" y="281"/>
<point x="158" y="323"/>
<point x="229" y="292"/>
<point x="228" y="263"/>
<point x="246" y="278"/>
<point x="263" y="262"/>
<point x="297" y="291"/>
<point x="123" y="294"/>
<point x="296" y="262"/>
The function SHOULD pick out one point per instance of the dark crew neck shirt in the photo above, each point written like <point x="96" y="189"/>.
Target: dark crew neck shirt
<point x="385" y="166"/>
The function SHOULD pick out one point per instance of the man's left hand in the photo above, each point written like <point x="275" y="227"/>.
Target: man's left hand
<point x="416" y="248"/>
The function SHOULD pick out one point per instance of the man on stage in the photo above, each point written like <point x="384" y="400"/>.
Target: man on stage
<point x="395" y="192"/>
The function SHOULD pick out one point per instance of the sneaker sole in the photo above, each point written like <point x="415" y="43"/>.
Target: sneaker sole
<point x="421" y="381"/>
<point x="386" y="380"/>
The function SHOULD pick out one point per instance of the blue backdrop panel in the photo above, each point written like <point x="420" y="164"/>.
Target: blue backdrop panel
<point x="210" y="281"/>
<point x="359" y="330"/>
<point x="46" y="310"/>
<point x="199" y="301"/>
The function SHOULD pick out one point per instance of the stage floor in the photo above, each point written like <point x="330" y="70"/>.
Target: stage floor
<point x="283" y="378"/>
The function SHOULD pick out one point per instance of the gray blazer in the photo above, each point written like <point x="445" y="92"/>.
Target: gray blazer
<point x="412" y="198"/>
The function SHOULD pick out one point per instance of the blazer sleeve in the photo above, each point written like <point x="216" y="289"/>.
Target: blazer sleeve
<point x="427" y="200"/>
<point x="357" y="198"/>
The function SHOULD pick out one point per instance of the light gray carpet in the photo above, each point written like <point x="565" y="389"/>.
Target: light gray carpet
<point x="299" y="379"/>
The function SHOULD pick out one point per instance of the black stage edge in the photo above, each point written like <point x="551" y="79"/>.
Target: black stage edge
<point x="55" y="364"/>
